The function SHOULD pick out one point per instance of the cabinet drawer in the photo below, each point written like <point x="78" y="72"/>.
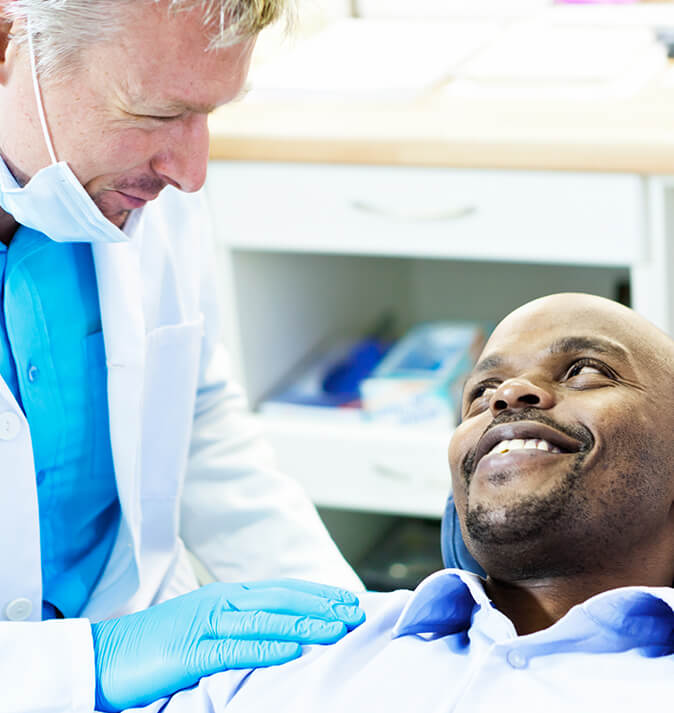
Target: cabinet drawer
<point x="520" y="216"/>
<point x="363" y="466"/>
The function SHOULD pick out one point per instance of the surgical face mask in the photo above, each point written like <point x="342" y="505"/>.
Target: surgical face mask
<point x="54" y="202"/>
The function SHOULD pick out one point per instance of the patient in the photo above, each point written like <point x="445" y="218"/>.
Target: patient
<point x="563" y="475"/>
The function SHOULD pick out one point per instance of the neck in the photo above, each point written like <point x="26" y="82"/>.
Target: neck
<point x="534" y="604"/>
<point x="536" y="582"/>
<point x="8" y="227"/>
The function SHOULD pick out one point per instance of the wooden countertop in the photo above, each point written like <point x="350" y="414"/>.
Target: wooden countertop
<point x="633" y="135"/>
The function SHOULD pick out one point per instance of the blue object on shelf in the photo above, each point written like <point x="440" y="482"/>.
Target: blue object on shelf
<point x="344" y="377"/>
<point x="419" y="380"/>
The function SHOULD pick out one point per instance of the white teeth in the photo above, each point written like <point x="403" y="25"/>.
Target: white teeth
<point x="520" y="444"/>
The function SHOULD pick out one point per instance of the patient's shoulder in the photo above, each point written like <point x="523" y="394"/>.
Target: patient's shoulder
<point x="308" y="678"/>
<point x="384" y="604"/>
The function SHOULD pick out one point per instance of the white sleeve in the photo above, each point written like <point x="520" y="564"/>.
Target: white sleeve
<point x="47" y="666"/>
<point x="241" y="517"/>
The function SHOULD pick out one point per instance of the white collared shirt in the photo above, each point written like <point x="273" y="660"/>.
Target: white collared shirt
<point x="445" y="647"/>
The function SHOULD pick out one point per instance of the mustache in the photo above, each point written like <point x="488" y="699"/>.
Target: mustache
<point x="143" y="185"/>
<point x="580" y="433"/>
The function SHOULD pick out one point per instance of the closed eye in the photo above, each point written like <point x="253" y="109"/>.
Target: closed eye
<point x="163" y="118"/>
<point x="156" y="117"/>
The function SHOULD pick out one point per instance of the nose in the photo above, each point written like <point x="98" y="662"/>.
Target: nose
<point x="518" y="394"/>
<point x="183" y="158"/>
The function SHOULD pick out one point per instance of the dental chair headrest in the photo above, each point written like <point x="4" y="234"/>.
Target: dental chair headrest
<point x="454" y="551"/>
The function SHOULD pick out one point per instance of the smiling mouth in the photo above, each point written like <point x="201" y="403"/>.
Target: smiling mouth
<point x="525" y="436"/>
<point x="519" y="444"/>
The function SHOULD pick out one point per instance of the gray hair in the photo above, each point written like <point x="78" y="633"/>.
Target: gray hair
<point x="63" y="27"/>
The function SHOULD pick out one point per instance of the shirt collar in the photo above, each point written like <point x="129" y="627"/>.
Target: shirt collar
<point x="645" y="615"/>
<point x="442" y="604"/>
<point x="6" y="177"/>
<point x="445" y="603"/>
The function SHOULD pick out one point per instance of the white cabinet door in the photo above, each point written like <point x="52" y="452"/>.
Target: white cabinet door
<point x="365" y="466"/>
<point x="520" y="216"/>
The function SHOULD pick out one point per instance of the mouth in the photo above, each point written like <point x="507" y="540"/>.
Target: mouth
<point x="524" y="436"/>
<point x="136" y="201"/>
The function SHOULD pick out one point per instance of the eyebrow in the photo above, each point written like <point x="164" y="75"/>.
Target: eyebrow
<point x="565" y="345"/>
<point x="180" y="107"/>
<point x="489" y="363"/>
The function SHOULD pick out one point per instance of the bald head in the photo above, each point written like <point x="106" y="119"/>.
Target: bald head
<point x="588" y="314"/>
<point x="563" y="462"/>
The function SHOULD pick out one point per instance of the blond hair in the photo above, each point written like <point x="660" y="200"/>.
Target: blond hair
<point x="61" y="28"/>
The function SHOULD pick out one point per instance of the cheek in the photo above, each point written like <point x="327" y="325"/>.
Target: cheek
<point x="455" y="448"/>
<point x="629" y="444"/>
<point x="129" y="148"/>
<point x="116" y="154"/>
<point x="464" y="439"/>
<point x="620" y="424"/>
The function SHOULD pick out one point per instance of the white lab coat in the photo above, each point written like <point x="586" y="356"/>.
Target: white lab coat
<point x="188" y="463"/>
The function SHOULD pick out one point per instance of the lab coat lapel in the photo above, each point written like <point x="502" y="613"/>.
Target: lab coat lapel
<point x="120" y="296"/>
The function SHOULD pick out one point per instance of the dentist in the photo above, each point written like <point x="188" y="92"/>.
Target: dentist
<point x="121" y="434"/>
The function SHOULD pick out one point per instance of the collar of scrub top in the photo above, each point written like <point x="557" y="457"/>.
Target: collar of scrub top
<point x="450" y="601"/>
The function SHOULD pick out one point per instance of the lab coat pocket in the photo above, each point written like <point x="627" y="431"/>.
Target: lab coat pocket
<point x="171" y="375"/>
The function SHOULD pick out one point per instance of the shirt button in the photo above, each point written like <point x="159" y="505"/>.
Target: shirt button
<point x="19" y="609"/>
<point x="39" y="478"/>
<point x="9" y="425"/>
<point x="33" y="373"/>
<point x="516" y="659"/>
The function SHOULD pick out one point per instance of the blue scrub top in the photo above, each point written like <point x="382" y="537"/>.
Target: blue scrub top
<point x="53" y="360"/>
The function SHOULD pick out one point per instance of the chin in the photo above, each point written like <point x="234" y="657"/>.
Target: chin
<point x="111" y="209"/>
<point x="119" y="219"/>
<point x="499" y="513"/>
<point x="534" y="537"/>
<point x="511" y="524"/>
<point x="531" y="561"/>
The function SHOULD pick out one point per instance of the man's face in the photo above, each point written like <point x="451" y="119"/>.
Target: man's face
<point x="563" y="461"/>
<point x="132" y="117"/>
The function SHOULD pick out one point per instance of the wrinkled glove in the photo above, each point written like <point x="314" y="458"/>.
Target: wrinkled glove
<point x="155" y="652"/>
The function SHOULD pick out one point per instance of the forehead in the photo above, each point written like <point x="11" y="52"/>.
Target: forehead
<point x="521" y="350"/>
<point x="537" y="332"/>
<point x="159" y="55"/>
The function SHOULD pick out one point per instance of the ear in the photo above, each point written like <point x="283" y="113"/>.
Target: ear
<point x="5" y="27"/>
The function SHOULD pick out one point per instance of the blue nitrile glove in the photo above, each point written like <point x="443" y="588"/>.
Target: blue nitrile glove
<point x="155" y="652"/>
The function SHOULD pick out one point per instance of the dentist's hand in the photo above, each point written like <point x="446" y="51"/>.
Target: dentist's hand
<point x="153" y="653"/>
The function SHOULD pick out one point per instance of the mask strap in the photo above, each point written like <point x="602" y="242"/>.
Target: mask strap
<point x="38" y="97"/>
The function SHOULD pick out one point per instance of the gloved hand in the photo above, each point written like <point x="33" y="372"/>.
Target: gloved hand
<point x="155" y="652"/>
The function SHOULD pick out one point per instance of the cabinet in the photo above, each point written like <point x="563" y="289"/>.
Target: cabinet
<point x="309" y="251"/>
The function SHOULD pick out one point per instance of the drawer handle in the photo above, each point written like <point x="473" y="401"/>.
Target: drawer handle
<point x="392" y="473"/>
<point x="461" y="210"/>
<point x="402" y="476"/>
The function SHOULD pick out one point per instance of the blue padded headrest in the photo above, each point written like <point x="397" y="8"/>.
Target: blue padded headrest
<point x="454" y="551"/>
